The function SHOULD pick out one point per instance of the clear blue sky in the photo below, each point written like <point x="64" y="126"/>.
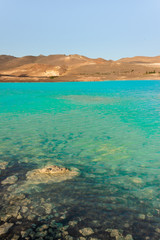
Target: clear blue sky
<point x="110" y="29"/>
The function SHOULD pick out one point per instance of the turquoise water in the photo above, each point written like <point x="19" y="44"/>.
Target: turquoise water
<point x="109" y="131"/>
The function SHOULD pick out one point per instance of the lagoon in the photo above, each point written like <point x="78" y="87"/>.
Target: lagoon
<point x="108" y="131"/>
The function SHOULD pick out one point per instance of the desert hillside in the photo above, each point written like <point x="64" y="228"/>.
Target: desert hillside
<point x="76" y="68"/>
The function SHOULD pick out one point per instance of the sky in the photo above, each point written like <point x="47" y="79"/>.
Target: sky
<point x="109" y="29"/>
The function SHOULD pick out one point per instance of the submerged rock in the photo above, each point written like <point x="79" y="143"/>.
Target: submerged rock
<point x="68" y="237"/>
<point x="3" y="165"/>
<point x="23" y="233"/>
<point x="141" y="216"/>
<point x="48" y="208"/>
<point x="158" y="230"/>
<point x="115" y="233"/>
<point x="5" y="227"/>
<point x="10" y="180"/>
<point x="129" y="237"/>
<point x="31" y="217"/>
<point x="50" y="174"/>
<point x="15" y="237"/>
<point x="24" y="209"/>
<point x="12" y="187"/>
<point x="136" y="180"/>
<point x="9" y="212"/>
<point x="19" y="216"/>
<point x="86" y="231"/>
<point x="72" y="223"/>
<point x="126" y="225"/>
<point x="93" y="239"/>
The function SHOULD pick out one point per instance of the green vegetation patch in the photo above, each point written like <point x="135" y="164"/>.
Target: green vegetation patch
<point x="152" y="72"/>
<point x="52" y="77"/>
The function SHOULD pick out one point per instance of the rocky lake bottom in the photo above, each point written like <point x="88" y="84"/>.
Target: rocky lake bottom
<point x="80" y="161"/>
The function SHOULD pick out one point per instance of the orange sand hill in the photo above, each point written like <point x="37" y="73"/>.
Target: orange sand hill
<point x="57" y="68"/>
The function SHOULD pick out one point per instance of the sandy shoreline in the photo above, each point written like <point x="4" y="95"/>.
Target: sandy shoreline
<point x="16" y="80"/>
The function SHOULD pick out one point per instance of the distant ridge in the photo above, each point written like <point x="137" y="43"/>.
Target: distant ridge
<point x="61" y="67"/>
<point x="141" y="59"/>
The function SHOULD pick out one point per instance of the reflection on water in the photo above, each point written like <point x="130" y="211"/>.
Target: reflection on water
<point x="109" y="131"/>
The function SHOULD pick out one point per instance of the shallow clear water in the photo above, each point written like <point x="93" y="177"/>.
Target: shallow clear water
<point x="109" y="131"/>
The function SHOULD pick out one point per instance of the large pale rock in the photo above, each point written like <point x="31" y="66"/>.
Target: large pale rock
<point x="50" y="174"/>
<point x="5" y="227"/>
